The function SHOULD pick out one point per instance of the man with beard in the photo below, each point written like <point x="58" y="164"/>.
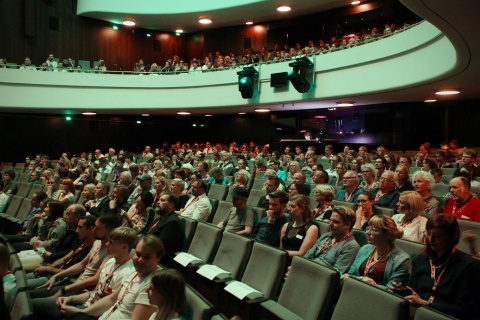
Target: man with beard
<point x="130" y="301"/>
<point x="338" y="248"/>
<point x="462" y="204"/>
<point x="80" y="276"/>
<point x="268" y="228"/>
<point x="167" y="226"/>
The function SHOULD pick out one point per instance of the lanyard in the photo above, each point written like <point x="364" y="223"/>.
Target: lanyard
<point x="371" y="262"/>
<point x="119" y="302"/>
<point x="190" y="203"/>
<point x="73" y="255"/>
<point x="102" y="286"/>
<point x="455" y="212"/>
<point x="322" y="248"/>
<point x="436" y="280"/>
<point x="92" y="257"/>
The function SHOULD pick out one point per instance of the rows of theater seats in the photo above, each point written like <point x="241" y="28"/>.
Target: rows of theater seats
<point x="311" y="291"/>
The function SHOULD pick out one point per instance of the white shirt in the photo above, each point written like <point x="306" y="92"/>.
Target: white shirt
<point x="198" y="208"/>
<point x="413" y="231"/>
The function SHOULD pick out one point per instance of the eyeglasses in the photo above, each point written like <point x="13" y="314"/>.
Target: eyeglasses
<point x="431" y="235"/>
<point x="373" y="229"/>
<point x="365" y="172"/>
<point x="362" y="201"/>
<point x="386" y="180"/>
<point x="348" y="178"/>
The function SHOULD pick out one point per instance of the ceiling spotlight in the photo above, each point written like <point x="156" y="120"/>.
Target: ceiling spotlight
<point x="249" y="22"/>
<point x="208" y="115"/>
<point x="205" y="20"/>
<point x="345" y="103"/>
<point x="129" y="22"/>
<point x="115" y="27"/>
<point x="262" y="110"/>
<point x="149" y="35"/>
<point x="89" y="113"/>
<point x="297" y="76"/>
<point x="320" y="117"/>
<point x="284" y="8"/>
<point x="145" y="115"/>
<point x="332" y="109"/>
<point x="447" y="92"/>
<point x="354" y="3"/>
<point x="242" y="113"/>
<point x="430" y="100"/>
<point x="183" y="113"/>
<point x="246" y="81"/>
<point x="179" y="31"/>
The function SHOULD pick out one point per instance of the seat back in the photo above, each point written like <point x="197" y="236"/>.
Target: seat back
<point x="360" y="236"/>
<point x="197" y="307"/>
<point x="300" y="280"/>
<point x="258" y="183"/>
<point x="22" y="307"/>
<point x="15" y="203"/>
<point x="15" y="263"/>
<point x="35" y="189"/>
<point x="222" y="211"/>
<point x="213" y="211"/>
<point x="150" y="217"/>
<point x="23" y="177"/>
<point x="217" y="191"/>
<point x="324" y="227"/>
<point x="205" y="242"/>
<point x="356" y="295"/>
<point x="233" y="254"/>
<point x="259" y="212"/>
<point x="312" y="203"/>
<point x="21" y="280"/>
<point x="265" y="269"/>
<point x="425" y="313"/>
<point x="188" y="226"/>
<point x="24" y="209"/>
<point x="472" y="227"/>
<point x="345" y="204"/>
<point x="23" y="189"/>
<point x="440" y="190"/>
<point x="254" y="196"/>
<point x="412" y="248"/>
<point x="381" y="211"/>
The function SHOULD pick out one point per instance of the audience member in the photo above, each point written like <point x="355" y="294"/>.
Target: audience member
<point x="409" y="221"/>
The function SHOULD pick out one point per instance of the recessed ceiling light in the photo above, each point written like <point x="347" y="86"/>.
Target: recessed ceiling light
<point x="183" y="113"/>
<point x="129" y="22"/>
<point x="205" y="20"/>
<point x="89" y="113"/>
<point x="242" y="113"/>
<point x="447" y="92"/>
<point x="332" y="109"/>
<point x="284" y="8"/>
<point x="279" y="129"/>
<point x="430" y="100"/>
<point x="149" y="35"/>
<point x="145" y="115"/>
<point x="354" y="3"/>
<point x="320" y="117"/>
<point x="115" y="27"/>
<point x="262" y="110"/>
<point x="179" y="31"/>
<point x="249" y="22"/>
<point x="345" y="103"/>
<point x="208" y="115"/>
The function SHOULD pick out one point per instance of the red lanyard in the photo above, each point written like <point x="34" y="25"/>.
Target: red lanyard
<point x="190" y="203"/>
<point x="371" y="262"/>
<point x="455" y="212"/>
<point x="319" y="210"/>
<point x="322" y="249"/>
<point x="73" y="255"/>
<point x="92" y="257"/>
<point x="119" y="302"/>
<point x="434" y="278"/>
<point x="109" y="276"/>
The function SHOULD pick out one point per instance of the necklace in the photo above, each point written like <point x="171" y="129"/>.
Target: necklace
<point x="371" y="262"/>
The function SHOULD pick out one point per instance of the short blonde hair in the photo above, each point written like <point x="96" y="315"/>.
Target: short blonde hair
<point x="386" y="223"/>
<point x="414" y="202"/>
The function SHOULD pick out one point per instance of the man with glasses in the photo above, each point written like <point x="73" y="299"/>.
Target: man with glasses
<point x="462" y="204"/>
<point x="387" y="195"/>
<point x="334" y="160"/>
<point x="275" y="165"/>
<point x="468" y="159"/>
<point x="198" y="207"/>
<point x="351" y="190"/>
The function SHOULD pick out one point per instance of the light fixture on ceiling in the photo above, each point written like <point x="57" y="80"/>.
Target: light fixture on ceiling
<point x="249" y="22"/>
<point x="354" y="3"/>
<point x="145" y="115"/>
<point x="284" y="8"/>
<point x="320" y="117"/>
<point x="183" y="113"/>
<point x="242" y="113"/>
<point x="297" y="76"/>
<point x="205" y="20"/>
<point x="129" y="22"/>
<point x="447" y="92"/>
<point x="149" y="35"/>
<point x="179" y="31"/>
<point x="430" y="100"/>
<point x="332" y="109"/>
<point x="89" y="113"/>
<point x="262" y="110"/>
<point x="208" y="115"/>
<point x="345" y="103"/>
<point x="246" y="81"/>
<point x="115" y="27"/>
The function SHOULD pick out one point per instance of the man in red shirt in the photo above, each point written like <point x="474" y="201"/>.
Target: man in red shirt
<point x="462" y="204"/>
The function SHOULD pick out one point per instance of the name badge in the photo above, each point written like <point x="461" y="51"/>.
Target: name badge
<point x="465" y="217"/>
<point x="299" y="236"/>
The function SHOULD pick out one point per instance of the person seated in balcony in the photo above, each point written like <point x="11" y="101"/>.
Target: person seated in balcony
<point x="167" y="68"/>
<point x="27" y="65"/>
<point x="195" y="68"/>
<point x="101" y="66"/>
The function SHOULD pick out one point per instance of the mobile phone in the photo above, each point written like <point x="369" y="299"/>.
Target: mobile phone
<point x="402" y="291"/>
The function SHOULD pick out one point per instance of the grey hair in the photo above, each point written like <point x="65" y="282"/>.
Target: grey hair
<point x="427" y="176"/>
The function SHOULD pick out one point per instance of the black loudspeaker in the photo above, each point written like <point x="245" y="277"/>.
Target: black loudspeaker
<point x="247" y="43"/>
<point x="278" y="80"/>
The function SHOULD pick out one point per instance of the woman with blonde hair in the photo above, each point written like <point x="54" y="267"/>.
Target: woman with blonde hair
<point x="293" y="167"/>
<point x="323" y="195"/>
<point x="167" y="293"/>
<point x="410" y="206"/>
<point x="241" y="178"/>
<point x="369" y="177"/>
<point x="380" y="262"/>
<point x="300" y="234"/>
